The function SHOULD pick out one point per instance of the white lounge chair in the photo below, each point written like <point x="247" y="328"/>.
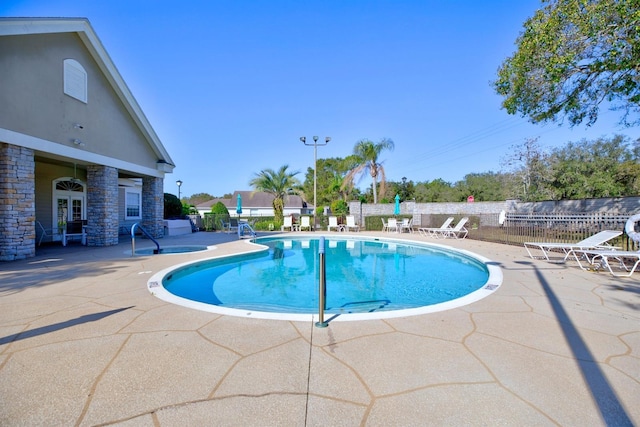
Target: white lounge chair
<point x="305" y="223"/>
<point x="457" y="232"/>
<point x="333" y="223"/>
<point x="351" y="224"/>
<point x="429" y="231"/>
<point x="603" y="257"/>
<point x="392" y="225"/>
<point x="288" y="223"/>
<point x="384" y="224"/>
<point x="598" y="242"/>
<point x="407" y="225"/>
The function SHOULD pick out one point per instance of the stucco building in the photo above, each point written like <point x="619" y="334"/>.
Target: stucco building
<point x="75" y="146"/>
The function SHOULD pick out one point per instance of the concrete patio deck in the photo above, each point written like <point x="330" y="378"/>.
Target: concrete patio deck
<point x="83" y="342"/>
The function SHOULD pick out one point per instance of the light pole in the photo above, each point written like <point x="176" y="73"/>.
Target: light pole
<point x="179" y="184"/>
<point x="315" y="171"/>
<point x="404" y="188"/>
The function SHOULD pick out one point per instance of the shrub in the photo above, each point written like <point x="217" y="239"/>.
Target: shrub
<point x="339" y="207"/>
<point x="263" y="225"/>
<point x="172" y="206"/>
<point x="219" y="208"/>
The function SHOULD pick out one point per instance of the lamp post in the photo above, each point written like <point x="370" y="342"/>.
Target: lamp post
<point x="404" y="188"/>
<point x="179" y="184"/>
<point x="315" y="171"/>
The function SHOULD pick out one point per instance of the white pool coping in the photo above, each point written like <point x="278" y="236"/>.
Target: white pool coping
<point x="494" y="281"/>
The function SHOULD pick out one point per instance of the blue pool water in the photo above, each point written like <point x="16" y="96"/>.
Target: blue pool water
<point x="361" y="275"/>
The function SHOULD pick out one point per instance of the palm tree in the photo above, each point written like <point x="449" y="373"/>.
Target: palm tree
<point x="278" y="183"/>
<point x="368" y="152"/>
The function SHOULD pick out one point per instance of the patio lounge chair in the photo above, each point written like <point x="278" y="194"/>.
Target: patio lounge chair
<point x="429" y="232"/>
<point x="603" y="258"/>
<point x="288" y="223"/>
<point x="596" y="242"/>
<point x="384" y="224"/>
<point x="457" y="232"/>
<point x="305" y="223"/>
<point x="351" y="223"/>
<point x="392" y="225"/>
<point x="333" y="223"/>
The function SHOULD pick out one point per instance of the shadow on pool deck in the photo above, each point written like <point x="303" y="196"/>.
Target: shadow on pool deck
<point x="84" y="343"/>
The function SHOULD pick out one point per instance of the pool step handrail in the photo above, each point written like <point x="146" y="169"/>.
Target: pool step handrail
<point x="133" y="239"/>
<point x="241" y="230"/>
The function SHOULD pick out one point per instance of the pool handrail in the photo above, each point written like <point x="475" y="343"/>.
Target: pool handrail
<point x="133" y="239"/>
<point x="241" y="229"/>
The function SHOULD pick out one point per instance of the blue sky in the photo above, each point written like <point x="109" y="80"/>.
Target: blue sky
<point x="231" y="86"/>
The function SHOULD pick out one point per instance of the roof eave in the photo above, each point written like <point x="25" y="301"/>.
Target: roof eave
<point x="81" y="26"/>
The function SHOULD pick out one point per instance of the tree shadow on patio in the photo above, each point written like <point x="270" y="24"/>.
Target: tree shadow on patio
<point x="605" y="397"/>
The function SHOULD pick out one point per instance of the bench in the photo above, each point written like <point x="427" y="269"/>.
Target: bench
<point x="75" y="229"/>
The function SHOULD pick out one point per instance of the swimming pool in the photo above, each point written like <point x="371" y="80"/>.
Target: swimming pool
<point x="366" y="278"/>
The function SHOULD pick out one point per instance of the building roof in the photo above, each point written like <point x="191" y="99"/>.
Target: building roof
<point x="82" y="27"/>
<point x="255" y="200"/>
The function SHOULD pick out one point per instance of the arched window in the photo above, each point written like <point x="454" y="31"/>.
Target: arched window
<point x="70" y="185"/>
<point x="75" y="80"/>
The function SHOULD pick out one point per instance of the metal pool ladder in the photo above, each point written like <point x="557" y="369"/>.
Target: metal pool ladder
<point x="241" y="230"/>
<point x="133" y="239"/>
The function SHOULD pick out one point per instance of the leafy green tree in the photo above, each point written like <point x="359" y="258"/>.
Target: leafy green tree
<point x="589" y="169"/>
<point x="330" y="175"/>
<point x="278" y="183"/>
<point x="437" y="190"/>
<point x="367" y="154"/>
<point x="198" y="198"/>
<point x="339" y="208"/>
<point x="572" y="56"/>
<point x="484" y="187"/>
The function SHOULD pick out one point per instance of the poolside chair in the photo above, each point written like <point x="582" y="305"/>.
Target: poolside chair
<point x="333" y="223"/>
<point x="384" y="224"/>
<point x="602" y="258"/>
<point x="429" y="231"/>
<point x="288" y="223"/>
<point x="596" y="242"/>
<point x="232" y="225"/>
<point x="457" y="232"/>
<point x="42" y="232"/>
<point x="392" y="225"/>
<point x="407" y="224"/>
<point x="351" y="223"/>
<point x="305" y="223"/>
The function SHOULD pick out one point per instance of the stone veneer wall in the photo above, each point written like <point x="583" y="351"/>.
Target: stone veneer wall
<point x="619" y="205"/>
<point x="153" y="206"/>
<point x="102" y="205"/>
<point x="17" y="203"/>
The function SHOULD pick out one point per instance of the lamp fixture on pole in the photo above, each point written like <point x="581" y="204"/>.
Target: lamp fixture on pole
<point x="179" y="184"/>
<point x="315" y="168"/>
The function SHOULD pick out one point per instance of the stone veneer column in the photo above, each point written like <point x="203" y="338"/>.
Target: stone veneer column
<point x="102" y="205"/>
<point x="17" y="203"/>
<point x="153" y="206"/>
